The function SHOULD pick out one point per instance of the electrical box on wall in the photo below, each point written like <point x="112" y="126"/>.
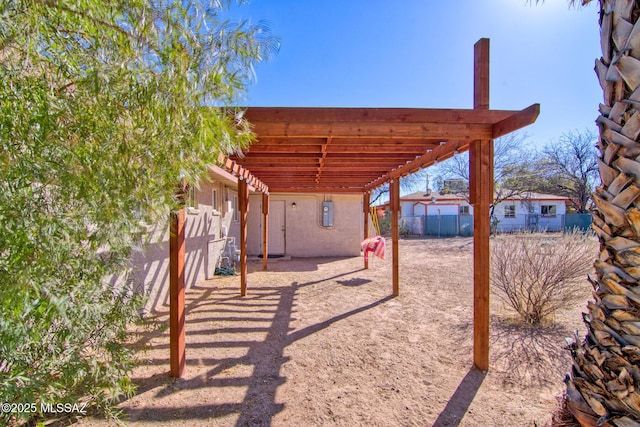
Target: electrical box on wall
<point x="327" y="214"/>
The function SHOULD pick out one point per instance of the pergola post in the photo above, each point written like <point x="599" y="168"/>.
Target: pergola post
<point x="265" y="230"/>
<point x="394" y="199"/>
<point x="243" y="207"/>
<point x="176" y="294"/>
<point x="366" y="198"/>
<point x="481" y="197"/>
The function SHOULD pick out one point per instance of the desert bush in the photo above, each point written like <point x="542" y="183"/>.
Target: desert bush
<point x="536" y="274"/>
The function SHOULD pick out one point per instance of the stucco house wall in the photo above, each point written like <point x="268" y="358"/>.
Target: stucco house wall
<point x="214" y="205"/>
<point x="304" y="234"/>
<point x="437" y="209"/>
<point x="204" y="242"/>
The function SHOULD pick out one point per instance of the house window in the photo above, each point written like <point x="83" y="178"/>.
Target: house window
<point x="236" y="214"/>
<point x="548" y="210"/>
<point x="192" y="200"/>
<point x="214" y="199"/>
<point x="464" y="210"/>
<point x="510" y="211"/>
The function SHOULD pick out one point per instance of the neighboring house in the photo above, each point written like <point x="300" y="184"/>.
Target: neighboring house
<point x="532" y="211"/>
<point x="298" y="226"/>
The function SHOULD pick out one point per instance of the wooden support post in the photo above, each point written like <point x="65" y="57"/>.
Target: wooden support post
<point x="481" y="196"/>
<point x="481" y="75"/>
<point x="366" y="199"/>
<point x="265" y="230"/>
<point x="176" y="294"/>
<point x="243" y="207"/>
<point x="394" y="198"/>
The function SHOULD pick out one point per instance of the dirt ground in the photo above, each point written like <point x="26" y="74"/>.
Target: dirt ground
<point x="320" y="342"/>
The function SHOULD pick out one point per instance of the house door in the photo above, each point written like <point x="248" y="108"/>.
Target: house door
<point x="276" y="227"/>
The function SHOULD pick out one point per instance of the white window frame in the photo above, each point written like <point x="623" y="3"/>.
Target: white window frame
<point x="191" y="204"/>
<point x="510" y="211"/>
<point x="552" y="208"/>
<point x="465" y="210"/>
<point x="214" y="199"/>
<point x="236" y="214"/>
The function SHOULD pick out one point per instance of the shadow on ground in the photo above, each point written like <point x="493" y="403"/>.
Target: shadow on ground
<point x="535" y="358"/>
<point x="524" y="355"/>
<point x="245" y="361"/>
<point x="459" y="403"/>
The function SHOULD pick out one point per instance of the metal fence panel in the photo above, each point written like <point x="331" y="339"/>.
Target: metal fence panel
<point x="462" y="225"/>
<point x="441" y="225"/>
<point x="580" y="221"/>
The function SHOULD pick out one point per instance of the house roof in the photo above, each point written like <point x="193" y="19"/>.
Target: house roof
<point x="422" y="197"/>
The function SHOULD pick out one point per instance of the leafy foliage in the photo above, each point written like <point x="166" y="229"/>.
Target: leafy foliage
<point x="105" y="107"/>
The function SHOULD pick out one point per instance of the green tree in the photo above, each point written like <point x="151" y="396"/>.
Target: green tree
<point x="105" y="107"/>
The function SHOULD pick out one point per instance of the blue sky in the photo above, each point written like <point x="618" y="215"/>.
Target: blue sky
<point x="419" y="53"/>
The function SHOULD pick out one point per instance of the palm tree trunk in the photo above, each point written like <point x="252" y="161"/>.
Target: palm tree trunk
<point x="603" y="387"/>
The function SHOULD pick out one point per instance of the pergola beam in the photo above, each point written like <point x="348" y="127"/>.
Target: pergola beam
<point x="266" y="171"/>
<point x="440" y="153"/>
<point x="242" y="173"/>
<point x="317" y="189"/>
<point x="470" y="131"/>
<point x="516" y="121"/>
<point x="258" y="115"/>
<point x="302" y="145"/>
<point x="313" y="159"/>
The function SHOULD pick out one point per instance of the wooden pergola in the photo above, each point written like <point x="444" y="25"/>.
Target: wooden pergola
<point x="356" y="150"/>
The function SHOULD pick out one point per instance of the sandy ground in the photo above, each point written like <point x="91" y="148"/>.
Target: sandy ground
<point x="320" y="342"/>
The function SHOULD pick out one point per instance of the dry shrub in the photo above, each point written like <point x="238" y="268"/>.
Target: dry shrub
<point x="536" y="273"/>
